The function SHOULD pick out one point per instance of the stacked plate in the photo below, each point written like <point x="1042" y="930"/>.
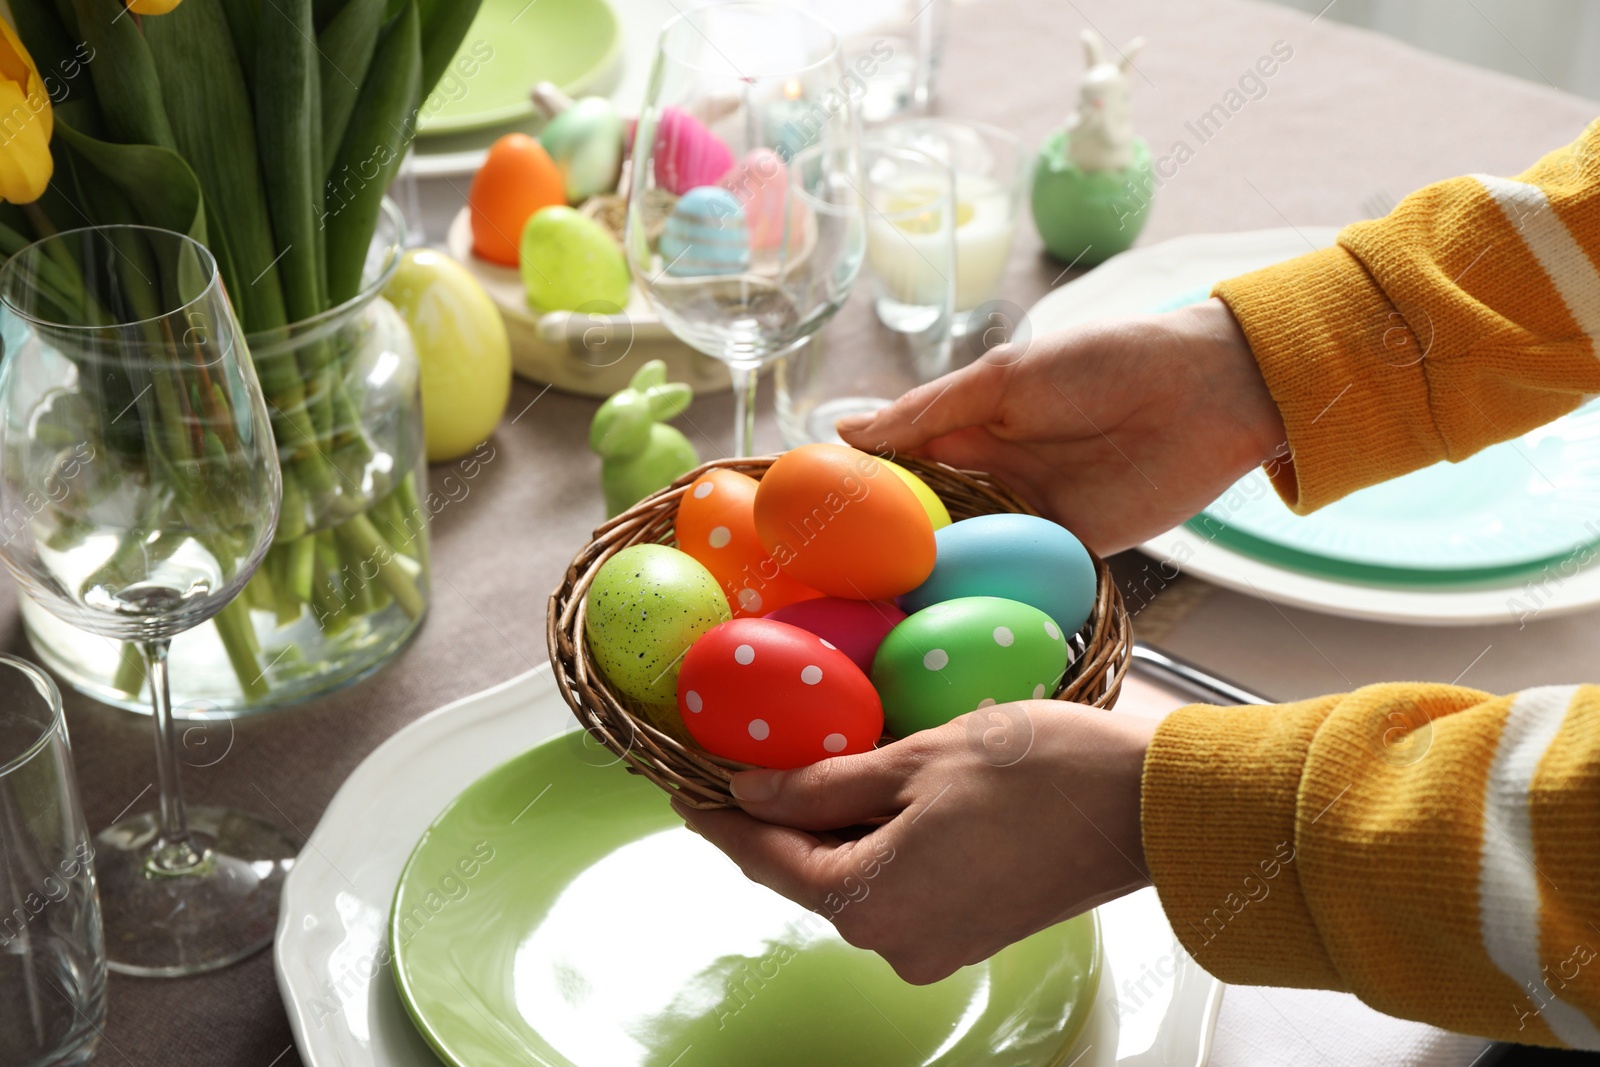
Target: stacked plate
<point x="556" y="912"/>
<point x="1512" y="530"/>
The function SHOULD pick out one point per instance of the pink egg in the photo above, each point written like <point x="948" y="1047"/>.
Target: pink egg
<point x="774" y="695"/>
<point x="761" y="182"/>
<point x="687" y="154"/>
<point x="854" y="627"/>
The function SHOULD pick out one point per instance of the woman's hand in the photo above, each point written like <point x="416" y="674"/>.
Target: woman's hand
<point x="985" y="830"/>
<point x="1118" y="430"/>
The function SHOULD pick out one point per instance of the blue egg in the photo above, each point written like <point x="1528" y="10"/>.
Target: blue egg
<point x="1016" y="557"/>
<point x="706" y="234"/>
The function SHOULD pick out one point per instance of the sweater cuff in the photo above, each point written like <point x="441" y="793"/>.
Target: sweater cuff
<point x="1346" y="373"/>
<point x="1218" y="815"/>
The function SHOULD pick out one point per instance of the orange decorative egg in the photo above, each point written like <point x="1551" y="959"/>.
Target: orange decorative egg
<point x="517" y="178"/>
<point x="716" y="525"/>
<point x="840" y="521"/>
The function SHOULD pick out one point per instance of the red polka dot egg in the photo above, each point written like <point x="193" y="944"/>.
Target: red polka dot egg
<point x="773" y="695"/>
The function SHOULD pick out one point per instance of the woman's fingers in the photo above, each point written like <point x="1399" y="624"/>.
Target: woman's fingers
<point x="838" y="792"/>
<point x="970" y="396"/>
<point x="788" y="861"/>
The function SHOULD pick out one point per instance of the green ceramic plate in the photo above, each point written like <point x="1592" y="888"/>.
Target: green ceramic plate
<point x="1511" y="508"/>
<point x="511" y="46"/>
<point x="558" y="914"/>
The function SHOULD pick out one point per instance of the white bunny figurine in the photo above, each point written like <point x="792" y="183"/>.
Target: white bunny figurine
<point x="1100" y="132"/>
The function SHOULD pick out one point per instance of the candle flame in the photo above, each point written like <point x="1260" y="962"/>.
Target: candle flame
<point x="792" y="89"/>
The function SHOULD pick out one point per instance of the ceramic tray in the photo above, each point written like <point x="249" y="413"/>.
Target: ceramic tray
<point x="1155" y="1007"/>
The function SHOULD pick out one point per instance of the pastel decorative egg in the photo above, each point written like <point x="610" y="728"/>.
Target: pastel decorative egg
<point x="1019" y="557"/>
<point x="938" y="514"/>
<point x="705" y="235"/>
<point x="585" y="142"/>
<point x="773" y="695"/>
<point x="854" y="627"/>
<point x="716" y="525"/>
<point x="838" y="520"/>
<point x="761" y="182"/>
<point x="966" y="654"/>
<point x="686" y="153"/>
<point x="569" y="261"/>
<point x="517" y="178"/>
<point x="646" y="606"/>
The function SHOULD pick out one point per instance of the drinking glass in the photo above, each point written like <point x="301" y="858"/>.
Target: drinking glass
<point x="909" y="275"/>
<point x="744" y="222"/>
<point x="994" y="172"/>
<point x="52" y="951"/>
<point x="139" y="489"/>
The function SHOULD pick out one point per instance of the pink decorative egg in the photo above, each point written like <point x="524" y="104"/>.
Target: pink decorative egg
<point x="687" y="154"/>
<point x="761" y="182"/>
<point x="774" y="695"/>
<point x="854" y="627"/>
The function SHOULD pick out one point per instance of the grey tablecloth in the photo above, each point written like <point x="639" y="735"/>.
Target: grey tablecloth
<point x="1349" y="115"/>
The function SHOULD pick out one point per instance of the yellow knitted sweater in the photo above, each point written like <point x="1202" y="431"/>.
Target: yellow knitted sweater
<point x="1433" y="849"/>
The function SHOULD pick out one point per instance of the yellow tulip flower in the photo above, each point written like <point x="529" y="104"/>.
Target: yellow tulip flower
<point x="151" y="7"/>
<point x="25" y="123"/>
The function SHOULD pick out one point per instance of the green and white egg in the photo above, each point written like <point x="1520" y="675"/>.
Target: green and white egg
<point x="646" y="606"/>
<point x="966" y="654"/>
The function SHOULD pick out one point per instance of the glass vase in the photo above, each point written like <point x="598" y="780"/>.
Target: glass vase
<point x="345" y="584"/>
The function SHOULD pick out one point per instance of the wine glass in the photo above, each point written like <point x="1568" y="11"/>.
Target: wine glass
<point x="745" y="225"/>
<point x="139" y="489"/>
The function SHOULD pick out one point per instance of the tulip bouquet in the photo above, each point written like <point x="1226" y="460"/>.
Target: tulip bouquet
<point x="269" y="131"/>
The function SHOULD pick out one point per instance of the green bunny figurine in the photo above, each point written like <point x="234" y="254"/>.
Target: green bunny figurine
<point x="638" y="452"/>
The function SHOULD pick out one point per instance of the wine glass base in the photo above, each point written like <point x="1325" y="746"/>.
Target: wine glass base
<point x="819" y="423"/>
<point x="217" y="913"/>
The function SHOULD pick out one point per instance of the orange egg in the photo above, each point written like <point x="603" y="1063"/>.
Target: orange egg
<point x="840" y="521"/>
<point x="717" y="526"/>
<point x="517" y="179"/>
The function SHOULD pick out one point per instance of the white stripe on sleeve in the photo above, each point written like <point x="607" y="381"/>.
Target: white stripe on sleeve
<point x="1552" y="244"/>
<point x="1508" y="882"/>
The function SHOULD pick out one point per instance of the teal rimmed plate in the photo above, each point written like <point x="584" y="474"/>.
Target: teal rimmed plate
<point x="1510" y="508"/>
<point x="558" y="913"/>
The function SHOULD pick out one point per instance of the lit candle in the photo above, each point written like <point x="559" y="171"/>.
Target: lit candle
<point x="787" y="125"/>
<point x="908" y="252"/>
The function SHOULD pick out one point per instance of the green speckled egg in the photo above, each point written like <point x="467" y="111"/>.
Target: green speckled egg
<point x="569" y="261"/>
<point x="965" y="654"/>
<point x="647" y="605"/>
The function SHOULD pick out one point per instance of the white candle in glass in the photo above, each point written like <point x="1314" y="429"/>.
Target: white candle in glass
<point x="909" y="244"/>
<point x="985" y="227"/>
<point x="904" y="247"/>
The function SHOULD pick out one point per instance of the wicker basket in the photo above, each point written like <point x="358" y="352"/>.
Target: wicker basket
<point x="662" y="751"/>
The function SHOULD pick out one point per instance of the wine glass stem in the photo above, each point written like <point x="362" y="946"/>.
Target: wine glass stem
<point x="744" y="406"/>
<point x="173" y="850"/>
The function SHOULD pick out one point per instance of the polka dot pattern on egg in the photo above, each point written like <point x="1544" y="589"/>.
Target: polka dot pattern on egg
<point x="986" y="702"/>
<point x="1038" y="691"/>
<point x="750" y="600"/>
<point x="703" y="490"/>
<point x="692" y="699"/>
<point x="811" y="675"/>
<point x="744" y="654"/>
<point x="720" y="537"/>
<point x="1052" y="629"/>
<point x="936" y="660"/>
<point x="835" y="742"/>
<point x="759" y="729"/>
<point x="1003" y="636"/>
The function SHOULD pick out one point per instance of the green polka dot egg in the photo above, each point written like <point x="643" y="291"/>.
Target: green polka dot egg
<point x="646" y="606"/>
<point x="964" y="654"/>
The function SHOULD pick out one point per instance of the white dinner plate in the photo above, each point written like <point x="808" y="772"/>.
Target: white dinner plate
<point x="1170" y="273"/>
<point x="1155" y="1006"/>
